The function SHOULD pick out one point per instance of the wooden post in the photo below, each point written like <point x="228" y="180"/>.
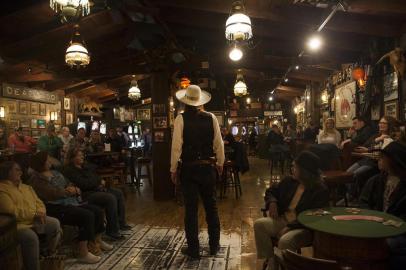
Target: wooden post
<point x="161" y="137"/>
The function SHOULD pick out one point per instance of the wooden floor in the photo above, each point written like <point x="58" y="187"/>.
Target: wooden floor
<point x="156" y="240"/>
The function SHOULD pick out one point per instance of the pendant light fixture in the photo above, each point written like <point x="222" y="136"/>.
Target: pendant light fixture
<point x="76" y="54"/>
<point x="70" y="9"/>
<point x="134" y="93"/>
<point x="240" y="88"/>
<point x="238" y="25"/>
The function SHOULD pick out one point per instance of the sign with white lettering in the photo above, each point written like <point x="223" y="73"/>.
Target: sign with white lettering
<point x="32" y="94"/>
<point x="273" y="113"/>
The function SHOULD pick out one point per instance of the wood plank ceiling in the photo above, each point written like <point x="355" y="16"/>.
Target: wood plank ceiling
<point x="137" y="37"/>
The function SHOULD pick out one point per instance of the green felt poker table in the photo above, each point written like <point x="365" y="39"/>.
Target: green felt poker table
<point x="356" y="243"/>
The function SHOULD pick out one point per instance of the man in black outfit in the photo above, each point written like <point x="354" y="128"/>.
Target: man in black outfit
<point x="363" y="132"/>
<point x="197" y="144"/>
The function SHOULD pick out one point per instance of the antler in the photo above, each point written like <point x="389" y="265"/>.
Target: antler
<point x="383" y="57"/>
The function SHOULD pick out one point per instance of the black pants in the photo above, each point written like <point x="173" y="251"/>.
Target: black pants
<point x="195" y="181"/>
<point x="89" y="218"/>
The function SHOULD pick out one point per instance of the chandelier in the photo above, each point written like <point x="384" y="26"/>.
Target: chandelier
<point x="240" y="88"/>
<point x="70" y="8"/>
<point x="238" y="25"/>
<point x="76" y="54"/>
<point x="134" y="93"/>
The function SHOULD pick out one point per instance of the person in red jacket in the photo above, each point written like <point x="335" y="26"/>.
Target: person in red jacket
<point x="19" y="142"/>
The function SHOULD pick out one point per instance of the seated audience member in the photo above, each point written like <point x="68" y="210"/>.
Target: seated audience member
<point x="228" y="138"/>
<point x="276" y="142"/>
<point x="387" y="128"/>
<point x="51" y="143"/>
<point x="66" y="139"/>
<point x="63" y="201"/>
<point x="329" y="134"/>
<point x="362" y="132"/>
<point x="95" y="144"/>
<point x="290" y="134"/>
<point x="33" y="223"/>
<point x="302" y="191"/>
<point x="21" y="143"/>
<point x="310" y="133"/>
<point x="94" y="191"/>
<point x="80" y="141"/>
<point x="116" y="143"/>
<point x="387" y="192"/>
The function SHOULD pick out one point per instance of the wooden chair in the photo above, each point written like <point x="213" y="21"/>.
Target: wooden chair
<point x="290" y="260"/>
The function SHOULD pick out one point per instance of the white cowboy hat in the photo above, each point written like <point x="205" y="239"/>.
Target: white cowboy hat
<point x="193" y="96"/>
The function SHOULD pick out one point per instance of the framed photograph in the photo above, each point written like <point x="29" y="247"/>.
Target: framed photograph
<point x="390" y="87"/>
<point x="33" y="123"/>
<point x="375" y="112"/>
<point x="391" y="109"/>
<point x="143" y="114"/>
<point x="35" y="133"/>
<point x="42" y="109"/>
<point x="25" y="123"/>
<point x="159" y="136"/>
<point x="68" y="118"/>
<point x="66" y="103"/>
<point x="23" y="108"/>
<point x="160" y="122"/>
<point x="159" y="108"/>
<point x="13" y="123"/>
<point x="116" y="113"/>
<point x="12" y="107"/>
<point x="41" y="123"/>
<point x="34" y="108"/>
<point x="345" y="104"/>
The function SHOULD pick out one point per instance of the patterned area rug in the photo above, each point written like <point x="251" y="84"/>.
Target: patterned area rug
<point x="147" y="247"/>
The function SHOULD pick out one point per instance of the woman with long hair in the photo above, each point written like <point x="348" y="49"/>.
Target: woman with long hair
<point x="63" y="201"/>
<point x="329" y="134"/>
<point x="302" y="191"/>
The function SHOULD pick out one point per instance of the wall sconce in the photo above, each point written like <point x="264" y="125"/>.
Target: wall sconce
<point x="2" y="112"/>
<point x="54" y="116"/>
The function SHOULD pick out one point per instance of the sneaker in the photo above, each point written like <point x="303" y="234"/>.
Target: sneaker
<point x="192" y="254"/>
<point x="89" y="258"/>
<point x="105" y="246"/>
<point x="115" y="236"/>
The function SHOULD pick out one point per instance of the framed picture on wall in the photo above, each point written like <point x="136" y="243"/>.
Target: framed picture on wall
<point x="390" y="87"/>
<point x="41" y="123"/>
<point x="375" y="112"/>
<point x="34" y="108"/>
<point x="25" y="123"/>
<point x="68" y="118"/>
<point x="13" y="123"/>
<point x="33" y="123"/>
<point x="160" y="122"/>
<point x="116" y="113"/>
<point x="42" y="109"/>
<point x="345" y="105"/>
<point x="159" y="136"/>
<point x="12" y="107"/>
<point x="35" y="133"/>
<point x="391" y="109"/>
<point x="23" y="108"/>
<point x="143" y="114"/>
<point x="159" y="108"/>
<point x="66" y="103"/>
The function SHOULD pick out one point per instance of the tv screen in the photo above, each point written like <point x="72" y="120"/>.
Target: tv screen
<point x="81" y="125"/>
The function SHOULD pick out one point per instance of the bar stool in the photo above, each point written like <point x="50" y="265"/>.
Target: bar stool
<point x="277" y="160"/>
<point x="230" y="178"/>
<point x="335" y="179"/>
<point x="120" y="170"/>
<point x="143" y="162"/>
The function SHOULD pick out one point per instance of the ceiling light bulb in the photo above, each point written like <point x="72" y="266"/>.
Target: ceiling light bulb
<point x="248" y="100"/>
<point x="314" y="43"/>
<point x="270" y="98"/>
<point x="286" y="80"/>
<point x="235" y="54"/>
<point x="296" y="67"/>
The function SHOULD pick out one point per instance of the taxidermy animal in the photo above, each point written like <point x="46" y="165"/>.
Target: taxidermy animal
<point x="91" y="106"/>
<point x="397" y="59"/>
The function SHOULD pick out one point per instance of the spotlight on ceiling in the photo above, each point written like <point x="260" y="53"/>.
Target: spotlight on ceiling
<point x="235" y="54"/>
<point x="270" y="98"/>
<point x="286" y="80"/>
<point x="297" y="67"/>
<point x="314" y="43"/>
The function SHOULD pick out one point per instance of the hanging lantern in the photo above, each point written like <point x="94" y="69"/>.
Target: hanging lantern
<point x="358" y="74"/>
<point x="240" y="88"/>
<point x="238" y="25"/>
<point x="76" y="54"/>
<point x="70" y="8"/>
<point x="184" y="82"/>
<point x="134" y="93"/>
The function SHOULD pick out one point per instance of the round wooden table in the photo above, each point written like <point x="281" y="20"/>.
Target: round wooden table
<point x="356" y="243"/>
